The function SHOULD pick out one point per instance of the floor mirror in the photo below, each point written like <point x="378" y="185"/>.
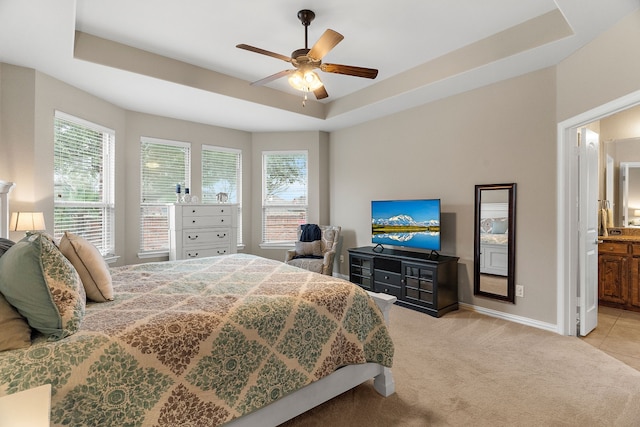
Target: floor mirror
<point x="495" y="241"/>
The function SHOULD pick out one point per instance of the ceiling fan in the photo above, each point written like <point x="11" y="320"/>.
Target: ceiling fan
<point x="303" y="77"/>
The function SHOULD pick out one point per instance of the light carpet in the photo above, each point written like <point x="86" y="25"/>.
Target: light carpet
<point x="468" y="369"/>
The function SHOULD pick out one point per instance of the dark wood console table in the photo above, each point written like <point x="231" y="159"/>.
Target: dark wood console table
<point x="421" y="282"/>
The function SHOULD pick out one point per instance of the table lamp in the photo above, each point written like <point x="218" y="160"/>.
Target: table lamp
<point x="27" y="221"/>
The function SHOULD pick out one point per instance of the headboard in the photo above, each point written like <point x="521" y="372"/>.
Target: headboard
<point x="5" y="189"/>
<point x="494" y="210"/>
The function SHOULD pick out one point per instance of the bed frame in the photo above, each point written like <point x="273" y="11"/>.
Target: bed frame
<point x="304" y="399"/>
<point x="326" y="388"/>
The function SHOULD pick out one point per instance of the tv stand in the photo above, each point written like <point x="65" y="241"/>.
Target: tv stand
<point x="421" y="281"/>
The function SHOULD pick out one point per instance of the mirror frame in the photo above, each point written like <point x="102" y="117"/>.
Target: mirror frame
<point x="511" y="244"/>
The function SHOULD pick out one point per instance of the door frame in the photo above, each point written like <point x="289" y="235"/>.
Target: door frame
<point x="567" y="209"/>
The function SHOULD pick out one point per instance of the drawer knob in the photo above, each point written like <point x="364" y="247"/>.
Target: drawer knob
<point x="193" y="221"/>
<point x="386" y="277"/>
<point x="222" y="220"/>
<point x="193" y="211"/>
<point x="386" y="290"/>
<point x="222" y="252"/>
<point x="190" y="255"/>
<point x="193" y="237"/>
<point x="222" y="236"/>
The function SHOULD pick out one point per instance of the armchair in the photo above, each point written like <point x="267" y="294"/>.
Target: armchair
<point x="323" y="262"/>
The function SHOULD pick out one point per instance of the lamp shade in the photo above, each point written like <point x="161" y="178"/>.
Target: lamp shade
<point x="305" y="80"/>
<point x="636" y="212"/>
<point x="27" y="221"/>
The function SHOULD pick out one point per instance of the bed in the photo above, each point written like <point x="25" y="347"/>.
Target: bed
<point x="238" y="340"/>
<point x="494" y="236"/>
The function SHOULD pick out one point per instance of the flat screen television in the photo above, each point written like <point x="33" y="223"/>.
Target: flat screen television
<point x="407" y="223"/>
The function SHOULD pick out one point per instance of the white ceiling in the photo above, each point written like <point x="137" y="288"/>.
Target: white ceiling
<point x="424" y="50"/>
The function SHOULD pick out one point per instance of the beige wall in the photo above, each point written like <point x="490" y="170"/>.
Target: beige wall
<point x="604" y="70"/>
<point x="317" y="146"/>
<point x="506" y="132"/>
<point x="498" y="134"/>
<point x="29" y="100"/>
<point x="139" y="125"/>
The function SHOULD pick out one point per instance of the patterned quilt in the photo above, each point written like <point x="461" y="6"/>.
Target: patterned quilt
<point x="200" y="342"/>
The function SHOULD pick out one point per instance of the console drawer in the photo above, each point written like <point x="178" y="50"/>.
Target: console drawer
<point x="387" y="277"/>
<point x="387" y="289"/>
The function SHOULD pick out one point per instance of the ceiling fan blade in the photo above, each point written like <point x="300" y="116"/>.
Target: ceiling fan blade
<point x="320" y="93"/>
<point x="325" y="43"/>
<point x="349" y="70"/>
<point x="272" y="77"/>
<point x="263" y="52"/>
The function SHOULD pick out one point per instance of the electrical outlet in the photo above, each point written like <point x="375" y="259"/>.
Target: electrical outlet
<point x="341" y="258"/>
<point x="520" y="291"/>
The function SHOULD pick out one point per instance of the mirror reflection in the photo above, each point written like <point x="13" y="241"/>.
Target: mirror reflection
<point x="495" y="241"/>
<point x="630" y="184"/>
<point x="622" y="183"/>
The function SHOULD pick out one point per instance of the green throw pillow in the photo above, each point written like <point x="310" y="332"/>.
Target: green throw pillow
<point x="43" y="286"/>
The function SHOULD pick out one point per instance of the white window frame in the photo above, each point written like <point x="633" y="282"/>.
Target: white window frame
<point x="238" y="196"/>
<point x="295" y="206"/>
<point x="171" y="194"/>
<point x="105" y="243"/>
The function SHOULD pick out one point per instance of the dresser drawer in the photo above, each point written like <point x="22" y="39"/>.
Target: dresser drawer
<point x="208" y="210"/>
<point x="205" y="221"/>
<point x="205" y="252"/>
<point x="206" y="237"/>
<point x="613" y="248"/>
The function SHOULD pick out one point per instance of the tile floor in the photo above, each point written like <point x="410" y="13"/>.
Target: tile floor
<point x="618" y="335"/>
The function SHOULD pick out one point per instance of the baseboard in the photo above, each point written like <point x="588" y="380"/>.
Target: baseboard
<point x="510" y="317"/>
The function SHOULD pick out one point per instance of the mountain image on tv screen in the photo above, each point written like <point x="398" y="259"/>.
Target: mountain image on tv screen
<point x="410" y="223"/>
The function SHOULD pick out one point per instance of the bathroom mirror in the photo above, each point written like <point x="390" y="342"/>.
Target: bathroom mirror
<point x="495" y="241"/>
<point x="630" y="192"/>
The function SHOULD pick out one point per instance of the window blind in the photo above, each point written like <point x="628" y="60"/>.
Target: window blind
<point x="163" y="165"/>
<point x="284" y="195"/>
<point x="84" y="181"/>
<point x="222" y="173"/>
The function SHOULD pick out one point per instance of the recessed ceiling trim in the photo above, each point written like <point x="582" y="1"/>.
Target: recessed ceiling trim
<point x="546" y="28"/>
<point x="101" y="51"/>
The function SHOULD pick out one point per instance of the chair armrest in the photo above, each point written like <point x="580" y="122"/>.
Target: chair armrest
<point x="290" y="254"/>
<point x="328" y="257"/>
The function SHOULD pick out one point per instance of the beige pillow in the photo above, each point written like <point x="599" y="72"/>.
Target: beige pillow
<point x="16" y="332"/>
<point x="309" y="248"/>
<point x="91" y="266"/>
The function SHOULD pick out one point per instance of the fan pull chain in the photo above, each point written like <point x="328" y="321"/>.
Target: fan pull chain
<point x="304" y="100"/>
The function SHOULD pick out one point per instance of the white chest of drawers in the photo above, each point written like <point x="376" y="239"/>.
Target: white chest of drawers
<point x="202" y="230"/>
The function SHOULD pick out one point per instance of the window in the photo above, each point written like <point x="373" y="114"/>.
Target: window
<point x="222" y="173"/>
<point x="284" y="195"/>
<point x="83" y="179"/>
<point x="164" y="165"/>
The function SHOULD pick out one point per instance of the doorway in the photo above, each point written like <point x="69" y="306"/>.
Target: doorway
<point x="568" y="267"/>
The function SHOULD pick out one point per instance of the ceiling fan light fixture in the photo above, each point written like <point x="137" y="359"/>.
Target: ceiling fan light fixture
<point x="305" y="80"/>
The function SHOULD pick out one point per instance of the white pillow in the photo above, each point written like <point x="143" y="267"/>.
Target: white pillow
<point x="91" y="266"/>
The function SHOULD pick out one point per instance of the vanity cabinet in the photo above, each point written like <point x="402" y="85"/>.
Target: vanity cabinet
<point x="614" y="268"/>
<point x="419" y="281"/>
<point x="202" y="230"/>
<point x="619" y="274"/>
